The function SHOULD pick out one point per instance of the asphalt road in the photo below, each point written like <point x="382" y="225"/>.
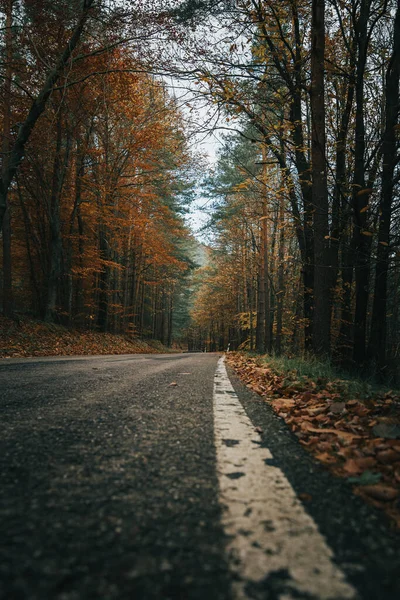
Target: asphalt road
<point x="117" y="483"/>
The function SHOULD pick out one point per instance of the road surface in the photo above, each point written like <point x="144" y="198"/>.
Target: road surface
<point x="161" y="477"/>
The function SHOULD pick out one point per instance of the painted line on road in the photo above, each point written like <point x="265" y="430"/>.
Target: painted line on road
<point x="273" y="543"/>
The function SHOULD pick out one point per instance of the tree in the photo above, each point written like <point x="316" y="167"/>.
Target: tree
<point x="377" y="341"/>
<point x="5" y="150"/>
<point x="101" y="195"/>
<point x="17" y="150"/>
<point x="336" y="162"/>
<point x="322" y="293"/>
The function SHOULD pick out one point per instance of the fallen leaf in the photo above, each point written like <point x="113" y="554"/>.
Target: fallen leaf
<point x="354" y="466"/>
<point x="286" y="402"/>
<point x="337" y="407"/>
<point x="317" y="411"/>
<point x="340" y="433"/>
<point x="346" y="452"/>
<point x="366" y="462"/>
<point x="307" y="396"/>
<point x="325" y="446"/>
<point x="326" y="458"/>
<point x="256" y="388"/>
<point x="388" y="456"/>
<point x="322" y="419"/>
<point x="305" y="497"/>
<point x="381" y="492"/>
<point x="360" y="410"/>
<point x="352" y="402"/>
<point x="262" y="371"/>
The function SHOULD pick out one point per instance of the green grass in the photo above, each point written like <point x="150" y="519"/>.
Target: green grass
<point x="323" y="373"/>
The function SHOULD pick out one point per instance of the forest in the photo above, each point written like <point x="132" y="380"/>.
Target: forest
<point x="98" y="173"/>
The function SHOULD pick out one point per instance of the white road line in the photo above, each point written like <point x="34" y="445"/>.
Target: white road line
<point x="273" y="543"/>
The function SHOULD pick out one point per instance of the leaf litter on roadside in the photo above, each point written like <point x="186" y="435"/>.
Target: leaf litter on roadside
<point x="354" y="437"/>
<point x="26" y="337"/>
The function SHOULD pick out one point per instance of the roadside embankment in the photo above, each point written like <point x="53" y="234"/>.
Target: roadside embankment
<point x="25" y="337"/>
<point x="353" y="428"/>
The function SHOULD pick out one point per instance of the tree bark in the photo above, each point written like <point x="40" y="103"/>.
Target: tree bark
<point x="56" y="249"/>
<point x="281" y="280"/>
<point x="377" y="342"/>
<point x="261" y="293"/>
<point x="360" y="196"/>
<point x="340" y="239"/>
<point x="345" y="342"/>
<point x="322" y="295"/>
<point x="5" y="149"/>
<point x="102" y="315"/>
<point x="303" y="169"/>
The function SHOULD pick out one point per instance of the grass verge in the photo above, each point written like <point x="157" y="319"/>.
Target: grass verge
<point x="323" y="373"/>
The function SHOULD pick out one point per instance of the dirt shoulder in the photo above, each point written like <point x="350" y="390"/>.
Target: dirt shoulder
<point x="356" y="435"/>
<point x="34" y="338"/>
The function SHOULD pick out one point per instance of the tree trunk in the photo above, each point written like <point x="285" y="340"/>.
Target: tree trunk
<point x="7" y="266"/>
<point x="377" y="342"/>
<point x="37" y="300"/>
<point x="261" y="306"/>
<point x="281" y="281"/>
<point x="360" y="197"/>
<point x="79" y="171"/>
<point x="322" y="294"/>
<point x="55" y="250"/>
<point x="79" y="299"/>
<point x="304" y="172"/>
<point x="250" y="294"/>
<point x="267" y="294"/>
<point x="345" y="342"/>
<point x="340" y="240"/>
<point x="102" y="316"/>
<point x="5" y="149"/>
<point x="170" y="315"/>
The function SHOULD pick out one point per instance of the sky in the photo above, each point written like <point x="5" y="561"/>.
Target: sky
<point x="207" y="146"/>
<point x="203" y="119"/>
<point x="201" y="142"/>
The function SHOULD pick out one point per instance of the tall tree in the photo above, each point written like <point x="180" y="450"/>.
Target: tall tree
<point x="322" y="293"/>
<point x="5" y="151"/>
<point x="377" y="341"/>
